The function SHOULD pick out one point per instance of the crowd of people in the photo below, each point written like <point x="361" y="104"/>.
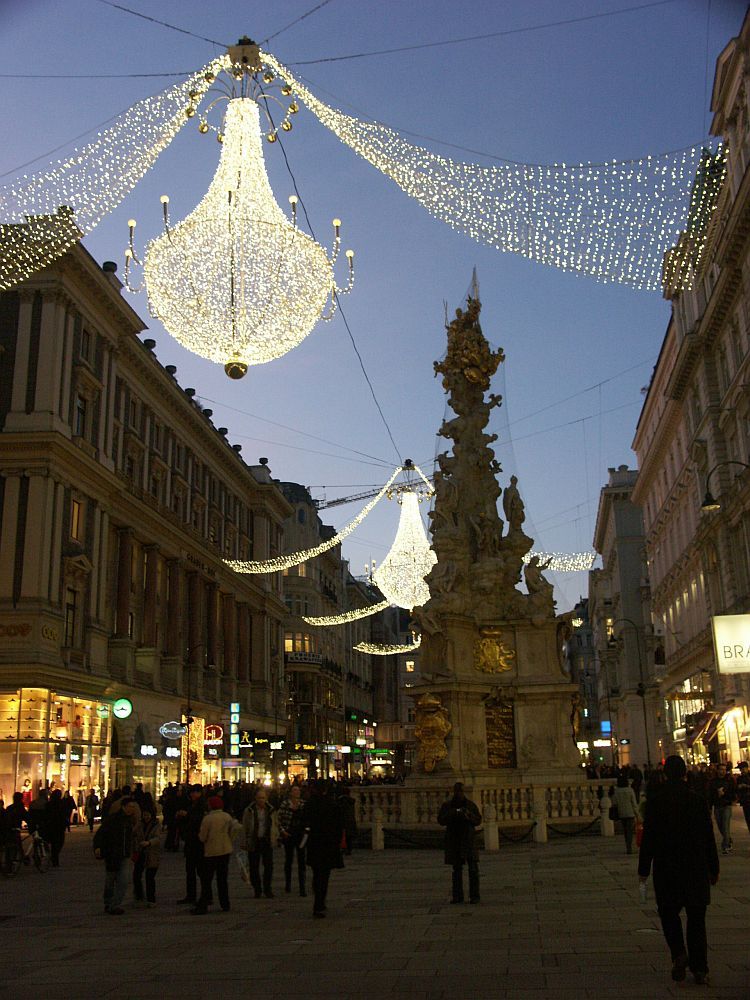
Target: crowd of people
<point x="313" y="821"/>
<point x="713" y="782"/>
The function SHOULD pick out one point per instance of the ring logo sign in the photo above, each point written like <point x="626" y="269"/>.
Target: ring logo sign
<point x="732" y="643"/>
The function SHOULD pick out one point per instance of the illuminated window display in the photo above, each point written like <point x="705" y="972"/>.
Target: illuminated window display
<point x="55" y="739"/>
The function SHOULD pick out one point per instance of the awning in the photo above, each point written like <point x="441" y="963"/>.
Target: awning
<point x="712" y="728"/>
<point x="701" y="722"/>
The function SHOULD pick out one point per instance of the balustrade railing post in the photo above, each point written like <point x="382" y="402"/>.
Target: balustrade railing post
<point x="378" y="837"/>
<point x="539" y="811"/>
<point x="491" y="833"/>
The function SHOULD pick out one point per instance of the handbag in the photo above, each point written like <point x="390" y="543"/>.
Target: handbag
<point x="639" y="835"/>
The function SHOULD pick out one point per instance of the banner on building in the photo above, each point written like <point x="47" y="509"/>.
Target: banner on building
<point x="732" y="643"/>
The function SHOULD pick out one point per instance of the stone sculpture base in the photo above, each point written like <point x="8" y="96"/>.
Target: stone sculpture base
<point x="510" y="727"/>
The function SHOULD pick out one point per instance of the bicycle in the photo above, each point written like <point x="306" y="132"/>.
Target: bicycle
<point x="39" y="851"/>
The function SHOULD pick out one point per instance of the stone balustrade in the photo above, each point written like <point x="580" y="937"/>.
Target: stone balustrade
<point x="401" y="807"/>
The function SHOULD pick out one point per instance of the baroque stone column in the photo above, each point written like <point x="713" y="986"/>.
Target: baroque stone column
<point x="149" y="593"/>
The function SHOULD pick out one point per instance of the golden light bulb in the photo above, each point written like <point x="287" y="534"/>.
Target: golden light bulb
<point x="286" y="125"/>
<point x="131" y="223"/>
<point x="164" y="199"/>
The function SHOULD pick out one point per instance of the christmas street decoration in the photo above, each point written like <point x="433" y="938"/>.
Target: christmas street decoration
<point x="642" y="222"/>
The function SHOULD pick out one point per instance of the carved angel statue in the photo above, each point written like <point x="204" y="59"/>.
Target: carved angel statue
<point x="535" y="581"/>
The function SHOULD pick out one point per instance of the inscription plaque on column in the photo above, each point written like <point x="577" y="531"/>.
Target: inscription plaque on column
<point x="501" y="734"/>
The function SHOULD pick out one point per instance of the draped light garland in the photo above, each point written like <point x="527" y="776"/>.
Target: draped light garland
<point x="375" y="649"/>
<point x="564" y="562"/>
<point x="42" y="215"/>
<point x="295" y="558"/>
<point x="614" y="221"/>
<point x="640" y="222"/>
<point x="347" y="616"/>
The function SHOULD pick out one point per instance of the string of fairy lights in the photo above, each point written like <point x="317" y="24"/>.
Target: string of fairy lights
<point x="640" y="222"/>
<point x="613" y="221"/>
<point x="46" y="213"/>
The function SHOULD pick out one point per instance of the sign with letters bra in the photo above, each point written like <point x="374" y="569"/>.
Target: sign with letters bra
<point x="732" y="643"/>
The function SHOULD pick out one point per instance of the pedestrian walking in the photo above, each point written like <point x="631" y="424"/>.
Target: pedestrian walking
<point x="723" y="796"/>
<point x="743" y="789"/>
<point x="190" y="816"/>
<point x="324" y="828"/>
<point x="625" y="802"/>
<point x="348" y="818"/>
<point x="91" y="807"/>
<point x="216" y="832"/>
<point x="147" y="856"/>
<point x="678" y="840"/>
<point x="113" y="843"/>
<point x="291" y="832"/>
<point x="54" y="823"/>
<point x="460" y="817"/>
<point x="261" y="825"/>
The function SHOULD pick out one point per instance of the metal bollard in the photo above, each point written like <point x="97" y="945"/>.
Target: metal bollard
<point x="378" y="838"/>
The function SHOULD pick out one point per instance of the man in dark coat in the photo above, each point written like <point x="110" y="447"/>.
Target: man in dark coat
<point x="324" y="830"/>
<point x="678" y="838"/>
<point x="190" y="816"/>
<point x="460" y="817"/>
<point x="113" y="843"/>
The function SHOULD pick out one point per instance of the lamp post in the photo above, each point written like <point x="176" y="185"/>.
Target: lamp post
<point x="709" y="503"/>
<point x="189" y="707"/>
<point x="641" y="689"/>
<point x="613" y="748"/>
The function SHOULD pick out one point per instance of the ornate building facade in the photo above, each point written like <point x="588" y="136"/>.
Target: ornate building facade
<point x="694" y="434"/>
<point x="119" y="501"/>
<point x="620" y="619"/>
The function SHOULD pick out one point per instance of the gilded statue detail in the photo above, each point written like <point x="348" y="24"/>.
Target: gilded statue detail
<point x="492" y="655"/>
<point x="431" y="729"/>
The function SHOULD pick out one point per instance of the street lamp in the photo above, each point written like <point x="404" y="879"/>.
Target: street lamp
<point x="641" y="689"/>
<point x="709" y="503"/>
<point x="613" y="747"/>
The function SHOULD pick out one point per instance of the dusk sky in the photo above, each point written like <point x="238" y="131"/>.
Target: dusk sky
<point x="578" y="353"/>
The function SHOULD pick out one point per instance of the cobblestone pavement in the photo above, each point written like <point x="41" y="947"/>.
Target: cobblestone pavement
<point x="561" y="920"/>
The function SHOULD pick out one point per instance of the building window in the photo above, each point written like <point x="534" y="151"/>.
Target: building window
<point x="71" y="597"/>
<point x="85" y="344"/>
<point x="410" y="666"/>
<point x="79" y="417"/>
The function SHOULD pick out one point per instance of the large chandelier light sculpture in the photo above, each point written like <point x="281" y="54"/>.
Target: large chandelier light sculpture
<point x="643" y="222"/>
<point x="236" y="281"/>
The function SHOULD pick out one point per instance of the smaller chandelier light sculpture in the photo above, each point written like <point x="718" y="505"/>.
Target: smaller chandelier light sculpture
<point x="236" y="281"/>
<point x="400" y="576"/>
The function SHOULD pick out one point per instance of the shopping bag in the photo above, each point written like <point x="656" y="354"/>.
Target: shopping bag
<point x="243" y="866"/>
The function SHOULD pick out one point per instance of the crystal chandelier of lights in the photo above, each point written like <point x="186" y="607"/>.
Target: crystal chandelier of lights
<point x="400" y="576"/>
<point x="236" y="281"/>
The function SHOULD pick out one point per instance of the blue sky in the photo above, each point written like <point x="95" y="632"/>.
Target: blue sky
<point x="613" y="87"/>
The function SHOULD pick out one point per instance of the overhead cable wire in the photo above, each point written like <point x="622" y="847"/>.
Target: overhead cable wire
<point x="296" y="430"/>
<point x="89" y="76"/>
<point x="336" y="297"/>
<point x="295" y="21"/>
<point x="482" y="37"/>
<point x="164" y="24"/>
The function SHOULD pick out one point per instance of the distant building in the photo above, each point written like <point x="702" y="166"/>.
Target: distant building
<point x="119" y="500"/>
<point x="693" y="436"/>
<point x="583" y="666"/>
<point x="620" y="617"/>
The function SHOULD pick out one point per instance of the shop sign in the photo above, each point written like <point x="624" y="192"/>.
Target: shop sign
<point x="148" y="750"/>
<point x="246" y="739"/>
<point x="173" y="730"/>
<point x="122" y="708"/>
<point x="361" y="742"/>
<point x="602" y="743"/>
<point x="624" y="742"/>
<point x="172" y="753"/>
<point x="732" y="643"/>
<point x="61" y="754"/>
<point x="213" y="735"/>
<point x="212" y="751"/>
<point x="234" y="729"/>
<point x="276" y="745"/>
<point x="345" y="749"/>
<point x="76" y="755"/>
<point x="305" y="746"/>
<point x="102" y="711"/>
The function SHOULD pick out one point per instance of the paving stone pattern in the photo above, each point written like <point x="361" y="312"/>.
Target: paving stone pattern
<point x="561" y="920"/>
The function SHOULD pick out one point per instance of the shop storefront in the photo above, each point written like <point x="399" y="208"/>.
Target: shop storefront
<point x="53" y="738"/>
